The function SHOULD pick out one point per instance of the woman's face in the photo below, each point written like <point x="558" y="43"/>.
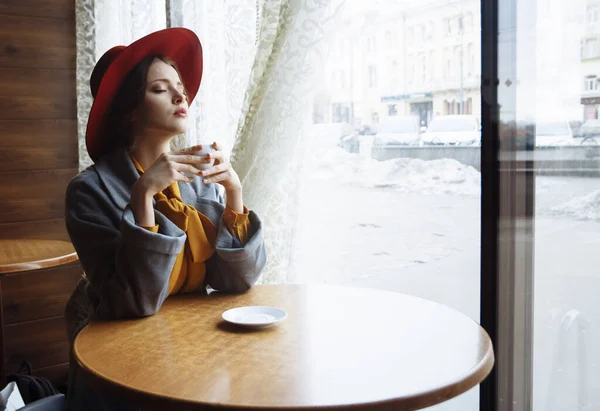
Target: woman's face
<point x="164" y="111"/>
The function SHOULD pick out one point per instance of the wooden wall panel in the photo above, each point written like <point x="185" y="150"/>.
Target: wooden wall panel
<point x="38" y="157"/>
<point x="37" y="42"/>
<point x="36" y="93"/>
<point x="38" y="144"/>
<point x="43" y="343"/>
<point x="33" y="195"/>
<point x="58" y="9"/>
<point x="38" y="294"/>
<point x="43" y="229"/>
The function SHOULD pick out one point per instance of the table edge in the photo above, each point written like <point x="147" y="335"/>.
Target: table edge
<point x="38" y="264"/>
<point x="412" y="402"/>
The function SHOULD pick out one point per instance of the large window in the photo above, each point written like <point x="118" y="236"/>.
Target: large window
<point x="377" y="207"/>
<point x="498" y="219"/>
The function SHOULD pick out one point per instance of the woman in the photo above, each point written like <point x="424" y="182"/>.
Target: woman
<point x="148" y="222"/>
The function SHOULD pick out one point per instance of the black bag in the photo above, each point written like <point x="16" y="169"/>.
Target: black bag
<point x="32" y="388"/>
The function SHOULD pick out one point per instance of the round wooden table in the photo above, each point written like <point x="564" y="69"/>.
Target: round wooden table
<point x="31" y="254"/>
<point x="339" y="347"/>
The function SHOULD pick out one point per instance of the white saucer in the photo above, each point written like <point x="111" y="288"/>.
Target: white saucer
<point x="254" y="316"/>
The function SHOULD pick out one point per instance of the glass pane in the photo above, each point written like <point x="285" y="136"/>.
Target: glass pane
<point x="556" y="140"/>
<point x="390" y="193"/>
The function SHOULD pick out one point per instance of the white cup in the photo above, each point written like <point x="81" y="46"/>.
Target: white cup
<point x="206" y="148"/>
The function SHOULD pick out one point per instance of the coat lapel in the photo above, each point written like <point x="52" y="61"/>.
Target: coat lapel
<point x="118" y="174"/>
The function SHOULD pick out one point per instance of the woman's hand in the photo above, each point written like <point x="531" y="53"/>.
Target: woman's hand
<point x="168" y="168"/>
<point x="222" y="173"/>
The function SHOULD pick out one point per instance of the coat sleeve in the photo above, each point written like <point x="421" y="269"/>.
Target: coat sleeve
<point x="128" y="267"/>
<point x="235" y="267"/>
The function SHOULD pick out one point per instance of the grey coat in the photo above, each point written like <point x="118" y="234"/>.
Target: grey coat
<point x="128" y="267"/>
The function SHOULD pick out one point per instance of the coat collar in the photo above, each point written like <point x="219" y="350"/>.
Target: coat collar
<point x="118" y="175"/>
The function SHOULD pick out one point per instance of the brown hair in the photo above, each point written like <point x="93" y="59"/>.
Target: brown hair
<point x="120" y="122"/>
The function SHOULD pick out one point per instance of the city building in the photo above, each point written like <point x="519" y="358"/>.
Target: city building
<point x="590" y="61"/>
<point x="420" y="59"/>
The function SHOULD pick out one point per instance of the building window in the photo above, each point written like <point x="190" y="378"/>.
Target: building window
<point x="394" y="75"/>
<point x="590" y="83"/>
<point x="431" y="64"/>
<point x="342" y="79"/>
<point x="469" y="22"/>
<point x="390" y="39"/>
<point x="430" y="30"/>
<point x="453" y="26"/>
<point x="593" y="12"/>
<point x="372" y="76"/>
<point x="371" y="46"/>
<point x="422" y="67"/>
<point x="591" y="46"/>
<point x="458" y="60"/>
<point x="410" y="35"/>
<point x="450" y="107"/>
<point x="340" y="113"/>
<point x="448" y="64"/>
<point x="471" y="57"/>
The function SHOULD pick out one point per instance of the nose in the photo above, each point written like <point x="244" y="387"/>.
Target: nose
<point x="178" y="97"/>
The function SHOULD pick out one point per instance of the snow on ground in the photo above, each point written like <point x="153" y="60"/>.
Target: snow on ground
<point x="405" y="175"/>
<point x="586" y="207"/>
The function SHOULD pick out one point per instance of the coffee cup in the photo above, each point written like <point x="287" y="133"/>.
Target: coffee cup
<point x="206" y="149"/>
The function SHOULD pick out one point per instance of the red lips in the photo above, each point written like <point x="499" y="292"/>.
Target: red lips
<point x="180" y="113"/>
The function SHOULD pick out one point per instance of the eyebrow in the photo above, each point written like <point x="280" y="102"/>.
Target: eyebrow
<point x="179" y="83"/>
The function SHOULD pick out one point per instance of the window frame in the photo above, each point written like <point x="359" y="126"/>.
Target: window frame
<point x="506" y="290"/>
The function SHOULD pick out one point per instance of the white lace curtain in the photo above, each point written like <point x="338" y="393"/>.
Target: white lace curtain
<point x="102" y="24"/>
<point x="256" y="93"/>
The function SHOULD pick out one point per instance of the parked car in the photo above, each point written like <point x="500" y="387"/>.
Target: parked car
<point x="330" y="134"/>
<point x="398" y="130"/>
<point x="351" y="142"/>
<point x="460" y="129"/>
<point x="553" y="133"/>
<point x="590" y="132"/>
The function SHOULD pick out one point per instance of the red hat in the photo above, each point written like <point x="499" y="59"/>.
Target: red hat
<point x="178" y="44"/>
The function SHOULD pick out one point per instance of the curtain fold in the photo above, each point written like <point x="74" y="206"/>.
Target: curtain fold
<point x="277" y="109"/>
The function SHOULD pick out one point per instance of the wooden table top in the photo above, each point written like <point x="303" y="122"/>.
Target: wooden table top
<point x="32" y="254"/>
<point x="339" y="347"/>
